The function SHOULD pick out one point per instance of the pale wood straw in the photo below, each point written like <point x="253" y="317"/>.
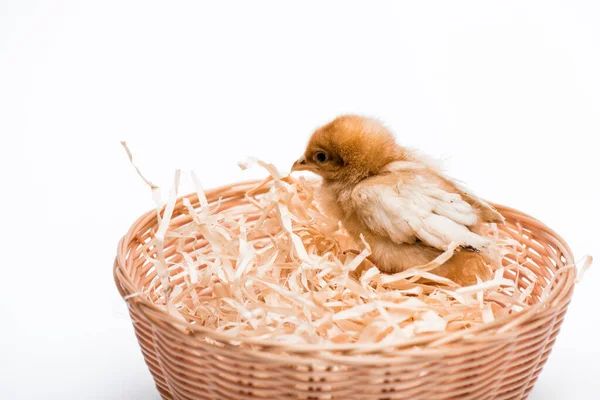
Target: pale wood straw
<point x="500" y="360"/>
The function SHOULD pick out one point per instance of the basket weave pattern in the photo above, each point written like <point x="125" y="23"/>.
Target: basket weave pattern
<point x="501" y="360"/>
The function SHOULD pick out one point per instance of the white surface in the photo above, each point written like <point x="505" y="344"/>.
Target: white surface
<point x="511" y="91"/>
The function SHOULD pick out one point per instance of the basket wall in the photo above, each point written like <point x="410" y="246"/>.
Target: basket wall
<point x="501" y="361"/>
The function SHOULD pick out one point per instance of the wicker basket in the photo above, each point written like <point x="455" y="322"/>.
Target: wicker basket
<point x="501" y="360"/>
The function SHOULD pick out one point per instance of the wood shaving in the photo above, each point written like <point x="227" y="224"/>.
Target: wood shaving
<point x="272" y="266"/>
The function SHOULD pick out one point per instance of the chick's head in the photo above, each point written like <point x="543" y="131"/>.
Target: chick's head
<point x="349" y="148"/>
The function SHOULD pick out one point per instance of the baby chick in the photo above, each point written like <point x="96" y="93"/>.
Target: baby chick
<point x="405" y="208"/>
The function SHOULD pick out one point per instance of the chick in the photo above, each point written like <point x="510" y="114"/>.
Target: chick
<point x="405" y="208"/>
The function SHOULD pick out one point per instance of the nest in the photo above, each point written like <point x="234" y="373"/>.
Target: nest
<point x="258" y="267"/>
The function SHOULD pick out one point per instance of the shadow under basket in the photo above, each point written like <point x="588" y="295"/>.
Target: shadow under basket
<point x="499" y="360"/>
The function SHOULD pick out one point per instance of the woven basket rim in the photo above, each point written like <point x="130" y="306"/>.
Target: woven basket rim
<point x="499" y="330"/>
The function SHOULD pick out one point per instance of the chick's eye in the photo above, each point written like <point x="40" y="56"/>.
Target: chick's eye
<point x="321" y="157"/>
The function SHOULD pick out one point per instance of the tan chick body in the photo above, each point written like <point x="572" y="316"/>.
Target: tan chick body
<point x="405" y="208"/>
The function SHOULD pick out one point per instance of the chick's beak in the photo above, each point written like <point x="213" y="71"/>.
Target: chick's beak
<point x="300" y="165"/>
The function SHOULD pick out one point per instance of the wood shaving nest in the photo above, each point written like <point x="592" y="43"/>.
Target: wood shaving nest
<point x="275" y="268"/>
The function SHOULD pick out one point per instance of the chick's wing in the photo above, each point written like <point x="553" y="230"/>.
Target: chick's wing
<point x="406" y="206"/>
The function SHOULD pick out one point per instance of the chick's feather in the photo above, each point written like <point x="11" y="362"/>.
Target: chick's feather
<point x="405" y="207"/>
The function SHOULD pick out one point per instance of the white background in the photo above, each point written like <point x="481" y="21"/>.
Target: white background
<point x="507" y="92"/>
